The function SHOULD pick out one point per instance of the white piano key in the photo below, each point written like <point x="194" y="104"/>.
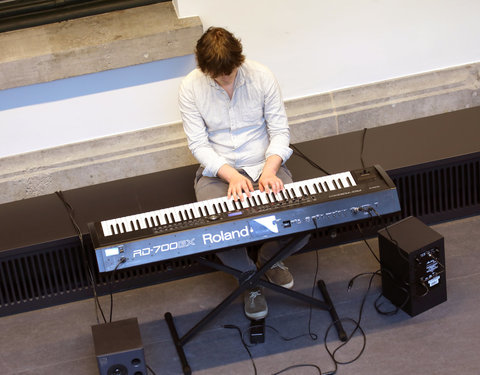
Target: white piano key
<point x="219" y="204"/>
<point x="255" y="200"/>
<point x="119" y="225"/>
<point x="176" y="215"/>
<point x="230" y="204"/>
<point x="140" y="218"/>
<point x="171" y="217"/>
<point x="107" y="230"/>
<point x="151" y="221"/>
<point x="194" y="208"/>
<point x="190" y="211"/>
<point x="202" y="209"/>
<point x="263" y="197"/>
<point x="279" y="196"/>
<point x="128" y="226"/>
<point x="245" y="203"/>
<point x="296" y="191"/>
<point x="161" y="216"/>
<point x="113" y="224"/>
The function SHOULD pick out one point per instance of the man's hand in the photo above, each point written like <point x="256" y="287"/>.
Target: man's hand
<point x="269" y="180"/>
<point x="237" y="183"/>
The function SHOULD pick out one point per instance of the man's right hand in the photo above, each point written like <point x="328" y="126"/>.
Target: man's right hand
<point x="238" y="184"/>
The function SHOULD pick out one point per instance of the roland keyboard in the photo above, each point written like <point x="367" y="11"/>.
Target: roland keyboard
<point x="222" y="223"/>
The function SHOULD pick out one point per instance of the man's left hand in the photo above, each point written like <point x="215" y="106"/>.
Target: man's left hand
<point x="269" y="182"/>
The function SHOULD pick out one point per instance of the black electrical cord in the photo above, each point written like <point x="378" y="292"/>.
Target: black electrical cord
<point x="362" y="148"/>
<point x="71" y="214"/>
<point x="307" y="159"/>
<point x="246" y="332"/>
<point x="231" y="326"/>
<point x="150" y="369"/>
<point x="112" y="276"/>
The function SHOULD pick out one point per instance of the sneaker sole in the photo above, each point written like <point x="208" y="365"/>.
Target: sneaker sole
<point x="286" y="286"/>
<point x="257" y="316"/>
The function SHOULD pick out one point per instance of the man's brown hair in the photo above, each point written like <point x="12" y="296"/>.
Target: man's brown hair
<point x="218" y="52"/>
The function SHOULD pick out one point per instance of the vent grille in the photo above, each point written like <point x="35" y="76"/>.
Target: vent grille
<point x="59" y="272"/>
<point x="41" y="275"/>
<point x="439" y="193"/>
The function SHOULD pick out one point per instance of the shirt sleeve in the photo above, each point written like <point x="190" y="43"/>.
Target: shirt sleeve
<point x="276" y="119"/>
<point x="196" y="132"/>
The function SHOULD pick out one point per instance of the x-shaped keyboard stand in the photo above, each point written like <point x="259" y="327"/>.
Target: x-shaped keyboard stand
<point x="249" y="280"/>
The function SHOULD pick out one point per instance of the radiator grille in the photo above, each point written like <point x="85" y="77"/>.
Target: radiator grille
<point x="441" y="192"/>
<point x="59" y="273"/>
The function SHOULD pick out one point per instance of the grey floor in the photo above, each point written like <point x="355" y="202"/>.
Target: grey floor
<point x="442" y="340"/>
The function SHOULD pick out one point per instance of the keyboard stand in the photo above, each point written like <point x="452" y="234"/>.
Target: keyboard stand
<point x="247" y="281"/>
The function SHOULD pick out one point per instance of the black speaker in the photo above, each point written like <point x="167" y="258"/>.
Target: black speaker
<point x="118" y="348"/>
<point x="412" y="257"/>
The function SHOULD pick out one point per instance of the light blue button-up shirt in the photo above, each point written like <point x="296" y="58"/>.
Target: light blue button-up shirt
<point x="241" y="132"/>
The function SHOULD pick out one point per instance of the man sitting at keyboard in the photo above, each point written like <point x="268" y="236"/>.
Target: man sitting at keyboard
<point x="235" y="121"/>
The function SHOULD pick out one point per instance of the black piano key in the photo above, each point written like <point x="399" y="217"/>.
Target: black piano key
<point x="225" y="206"/>
<point x="157" y="220"/>
<point x="182" y="218"/>
<point x="340" y="184"/>
<point x="292" y="193"/>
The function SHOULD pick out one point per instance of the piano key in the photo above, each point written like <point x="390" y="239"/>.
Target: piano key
<point x="245" y="203"/>
<point x="141" y="221"/>
<point x="263" y="197"/>
<point x="297" y="193"/>
<point x="217" y="203"/>
<point x="190" y="212"/>
<point x="119" y="225"/>
<point x="278" y="197"/>
<point x="127" y="224"/>
<point x="107" y="231"/>
<point x="161" y="216"/>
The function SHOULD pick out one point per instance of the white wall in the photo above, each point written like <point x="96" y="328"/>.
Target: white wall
<point x="313" y="46"/>
<point x="322" y="45"/>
